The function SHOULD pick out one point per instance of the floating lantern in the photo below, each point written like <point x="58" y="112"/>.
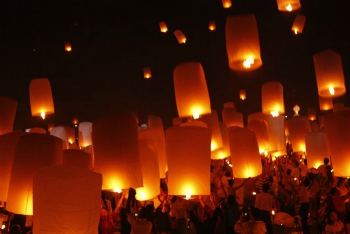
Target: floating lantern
<point x="272" y="98"/>
<point x="298" y="127"/>
<point x="288" y="5"/>
<point x="298" y="24"/>
<point x="258" y="116"/>
<point x="232" y="118"/>
<point x="180" y="36"/>
<point x="338" y="106"/>
<point x="316" y="148"/>
<point x="311" y="114"/>
<point x="85" y="130"/>
<point x="8" y="108"/>
<point x="245" y="156"/>
<point x="188" y="150"/>
<point x="41" y="101"/>
<point x="326" y="104"/>
<point x="147" y="73"/>
<point x="329" y="74"/>
<point x="259" y="127"/>
<point x="242" y="43"/>
<point x="36" y="130"/>
<point x="225" y="151"/>
<point x="33" y="152"/>
<point x="77" y="158"/>
<point x="66" y="134"/>
<point x="212" y="25"/>
<point x="296" y="110"/>
<point x="242" y="94"/>
<point x="275" y="128"/>
<point x="163" y="27"/>
<point x="116" y="153"/>
<point x="68" y="47"/>
<point x="191" y="91"/>
<point x="66" y="200"/>
<point x="226" y="3"/>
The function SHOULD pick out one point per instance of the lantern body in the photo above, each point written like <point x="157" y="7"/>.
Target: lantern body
<point x="288" y="5"/>
<point x="66" y="200"/>
<point x="176" y="121"/>
<point x="245" y="156"/>
<point x="259" y="127"/>
<point x="225" y="152"/>
<point x="191" y="92"/>
<point x="188" y="150"/>
<point x="77" y="158"/>
<point x="272" y="98"/>
<point x="212" y="121"/>
<point x="116" y="153"/>
<point x="311" y="114"/>
<point x="325" y="103"/>
<point x="298" y="24"/>
<point x="85" y="130"/>
<point x="163" y="27"/>
<point x="66" y="134"/>
<point x="180" y="36"/>
<point x="277" y="138"/>
<point x="231" y="118"/>
<point x="41" y="102"/>
<point x="147" y="73"/>
<point x="212" y="25"/>
<point x="8" y="108"/>
<point x="33" y="152"/>
<point x="329" y="74"/>
<point x="316" y="148"/>
<point x="226" y="3"/>
<point x="242" y="43"/>
<point x="242" y="94"/>
<point x="68" y="47"/>
<point x="298" y="127"/>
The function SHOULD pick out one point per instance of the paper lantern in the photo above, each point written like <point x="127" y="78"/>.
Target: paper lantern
<point x="212" y="25"/>
<point x="36" y="130"/>
<point x="242" y="94"/>
<point x="41" y="101"/>
<point x="245" y="156"/>
<point x="242" y="43"/>
<point x="259" y="127"/>
<point x="68" y="47"/>
<point x="231" y="118"/>
<point x="298" y="127"/>
<point x="188" y="150"/>
<point x="329" y="74"/>
<point x="226" y="3"/>
<point x="316" y="148"/>
<point x="311" y="114"/>
<point x="66" y="134"/>
<point x="180" y="36"/>
<point x="191" y="92"/>
<point x="163" y="27"/>
<point x="298" y="24"/>
<point x="225" y="152"/>
<point x="85" y="130"/>
<point x="66" y="200"/>
<point x="77" y="158"/>
<point x="116" y="153"/>
<point x="8" y="108"/>
<point x="147" y="73"/>
<point x="272" y="98"/>
<point x="325" y="103"/>
<point x="275" y="128"/>
<point x="288" y="5"/>
<point x="33" y="152"/>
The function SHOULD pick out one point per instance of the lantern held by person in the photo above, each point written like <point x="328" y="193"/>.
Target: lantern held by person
<point x="288" y="5"/>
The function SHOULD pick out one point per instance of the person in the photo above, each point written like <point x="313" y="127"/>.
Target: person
<point x="334" y="225"/>
<point x="323" y="168"/>
<point x="304" y="199"/>
<point x="247" y="225"/>
<point x="264" y="204"/>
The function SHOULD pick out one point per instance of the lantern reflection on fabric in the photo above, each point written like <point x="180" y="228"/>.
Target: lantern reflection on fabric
<point x="77" y="158"/>
<point x="85" y="131"/>
<point x="298" y="24"/>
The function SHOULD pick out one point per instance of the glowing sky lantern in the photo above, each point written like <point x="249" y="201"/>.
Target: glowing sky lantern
<point x="242" y="43"/>
<point x="33" y="152"/>
<point x="163" y="27"/>
<point x="77" y="158"/>
<point x="329" y="74"/>
<point x="259" y="127"/>
<point x="276" y="128"/>
<point x="316" y="148"/>
<point x="212" y="25"/>
<point x="188" y="150"/>
<point x="226" y="3"/>
<point x="272" y="98"/>
<point x="66" y="134"/>
<point x="68" y="47"/>
<point x="180" y="36"/>
<point x="245" y="156"/>
<point x="311" y="114"/>
<point x="288" y="5"/>
<point x="231" y="118"/>
<point x="8" y="108"/>
<point x="85" y="129"/>
<point x="191" y="91"/>
<point x="298" y="24"/>
<point x="242" y="94"/>
<point x="147" y="73"/>
<point x="66" y="200"/>
<point x="116" y="153"/>
<point x="325" y="104"/>
<point x="298" y="127"/>
<point x="41" y="101"/>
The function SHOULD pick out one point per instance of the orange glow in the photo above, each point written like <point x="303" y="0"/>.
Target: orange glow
<point x="298" y="127"/>
<point x="288" y="5"/>
<point x="163" y="27"/>
<point x="68" y="47"/>
<point x="212" y="25"/>
<point x="325" y="103"/>
<point x="298" y="24"/>
<point x="259" y="127"/>
<point x="296" y="110"/>
<point x="180" y="36"/>
<point x="8" y="108"/>
<point x="41" y="102"/>
<point x="226" y="3"/>
<point x="272" y="98"/>
<point x="232" y="118"/>
<point x="316" y="148"/>
<point x="242" y="95"/>
<point x="147" y="73"/>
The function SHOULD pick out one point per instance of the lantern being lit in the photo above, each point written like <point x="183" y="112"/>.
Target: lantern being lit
<point x="226" y="3"/>
<point x="242" y="43"/>
<point x="272" y="98"/>
<point x="316" y="148"/>
<point x="329" y="74"/>
<point x="180" y="36"/>
<point x="288" y="5"/>
<point x="298" y="24"/>
<point x="8" y="108"/>
<point x="163" y="27"/>
<point x="147" y="73"/>
<point x="276" y="130"/>
<point x="298" y="127"/>
<point x="212" y="25"/>
<point x="326" y="104"/>
<point x="41" y="101"/>
<point x="191" y="91"/>
<point x="242" y="94"/>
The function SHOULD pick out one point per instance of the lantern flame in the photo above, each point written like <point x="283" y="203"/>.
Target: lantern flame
<point x="275" y="113"/>
<point x="226" y="3"/>
<point x="289" y="7"/>
<point x="273" y="212"/>
<point x="43" y="115"/>
<point x="331" y="90"/>
<point x="296" y="31"/>
<point x="248" y="62"/>
<point x="68" y="47"/>
<point x="196" y="113"/>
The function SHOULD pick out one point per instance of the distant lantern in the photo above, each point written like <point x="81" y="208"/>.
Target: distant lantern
<point x="329" y="74"/>
<point x="298" y="127"/>
<point x="8" y="108"/>
<point x="245" y="156"/>
<point x="77" y="158"/>
<point x="180" y="36"/>
<point x="242" y="94"/>
<point x="232" y="118"/>
<point x="298" y="24"/>
<point x="188" y="150"/>
<point x="226" y="3"/>
<point x="272" y="98"/>
<point x="316" y="148"/>
<point x="259" y="127"/>
<point x="66" y="134"/>
<point x="163" y="27"/>
<point x="191" y="91"/>
<point x="242" y="43"/>
<point x="115" y="141"/>
<point x="147" y="73"/>
<point x="85" y="130"/>
<point x="311" y="114"/>
<point x="212" y="25"/>
<point x="41" y="101"/>
<point x="276" y="128"/>
<point x="33" y="152"/>
<point x="296" y="110"/>
<point x="68" y="47"/>
<point x="288" y="5"/>
<point x="326" y="104"/>
<point x="66" y="200"/>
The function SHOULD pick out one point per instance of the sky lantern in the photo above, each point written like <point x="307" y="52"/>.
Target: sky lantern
<point x="245" y="156"/>
<point x="326" y="104"/>
<point x="180" y="36"/>
<point x="41" y="101"/>
<point x="188" y="150"/>
<point x="191" y="91"/>
<point x="329" y="74"/>
<point x="147" y="73"/>
<point x="276" y="130"/>
<point x="272" y="98"/>
<point x="259" y="127"/>
<point x="66" y="200"/>
<point x="77" y="158"/>
<point x="242" y="94"/>
<point x="231" y="118"/>
<point x="212" y="25"/>
<point x="226" y="3"/>
<point x="116" y="153"/>
<point x="65" y="133"/>
<point x="296" y="110"/>
<point x="316" y="148"/>
<point x="85" y="130"/>
<point x="163" y="27"/>
<point x="258" y="116"/>
<point x="242" y="43"/>
<point x="298" y="127"/>
<point x="33" y="152"/>
<point x="68" y="47"/>
<point x="311" y="114"/>
<point x="288" y="5"/>
<point x="298" y="24"/>
<point x="8" y="108"/>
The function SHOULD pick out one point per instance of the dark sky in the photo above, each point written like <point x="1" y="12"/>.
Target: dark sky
<point x="113" y="40"/>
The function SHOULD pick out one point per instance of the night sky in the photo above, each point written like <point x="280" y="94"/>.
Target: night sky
<point x="113" y="40"/>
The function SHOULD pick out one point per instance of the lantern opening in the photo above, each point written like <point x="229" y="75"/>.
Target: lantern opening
<point x="296" y="31"/>
<point x="275" y="113"/>
<point x="289" y="7"/>
<point x="213" y="145"/>
<point x="117" y="190"/>
<point x="331" y="90"/>
<point x="3" y="226"/>
<point x="43" y="115"/>
<point x="248" y="62"/>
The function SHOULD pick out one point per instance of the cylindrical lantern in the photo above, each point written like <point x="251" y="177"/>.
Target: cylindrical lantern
<point x="288" y="5"/>
<point x="41" y="101"/>
<point x="115" y="141"/>
<point x="66" y="200"/>
<point x="272" y="98"/>
<point x="311" y="114"/>
<point x="316" y="149"/>
<point x="245" y="156"/>
<point x="163" y="27"/>
<point x="66" y="134"/>
<point x="226" y="3"/>
<point x="242" y="94"/>
<point x="36" y="130"/>
<point x="212" y="25"/>
<point x="8" y="108"/>
<point x="147" y="73"/>
<point x="277" y="138"/>
<point x="329" y="74"/>
<point x="231" y="118"/>
<point x="180" y="36"/>
<point x="188" y="150"/>
<point x="77" y="158"/>
<point x="298" y="127"/>
<point x="191" y="91"/>
<point x="225" y="152"/>
<point x="326" y="104"/>
<point x="242" y="43"/>
<point x="85" y="130"/>
<point x="68" y="47"/>
<point x="298" y="24"/>
<point x="33" y="152"/>
<point x="259" y="127"/>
